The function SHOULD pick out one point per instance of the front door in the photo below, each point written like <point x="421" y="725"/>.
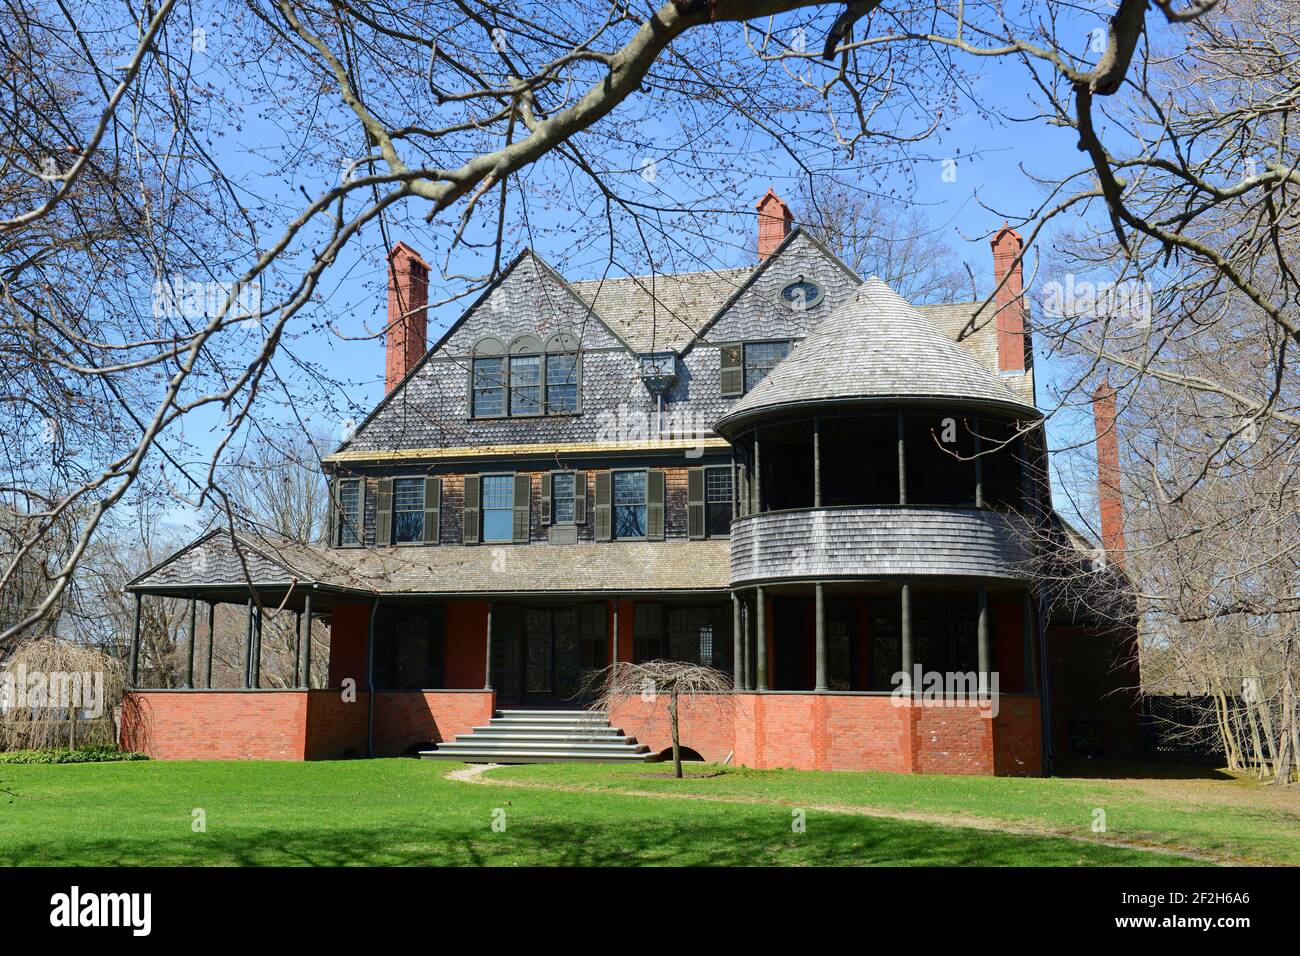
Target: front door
<point x="552" y="666"/>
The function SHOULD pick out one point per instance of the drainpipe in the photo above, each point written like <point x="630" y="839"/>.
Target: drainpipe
<point x="370" y="681"/>
<point x="1045" y="687"/>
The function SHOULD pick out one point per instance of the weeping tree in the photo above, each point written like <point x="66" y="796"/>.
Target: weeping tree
<point x="55" y="693"/>
<point x="662" y="683"/>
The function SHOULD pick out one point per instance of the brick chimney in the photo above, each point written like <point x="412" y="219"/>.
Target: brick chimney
<point x="1108" y="487"/>
<point x="1013" y="342"/>
<point x="774" y="223"/>
<point x="408" y="320"/>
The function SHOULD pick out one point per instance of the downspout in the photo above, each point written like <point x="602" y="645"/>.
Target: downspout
<point x="370" y="680"/>
<point x="1044" y="687"/>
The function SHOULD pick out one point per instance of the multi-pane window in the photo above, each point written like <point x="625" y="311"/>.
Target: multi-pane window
<point x="562" y="383"/>
<point x="629" y="504"/>
<point x="761" y="358"/>
<point x="563" y="489"/>
<point x="525" y="385"/>
<point x="498" y="507"/>
<point x="349" y="498"/>
<point x="648" y="632"/>
<point x="489" y="392"/>
<point x="717" y="501"/>
<point x="408" y="510"/>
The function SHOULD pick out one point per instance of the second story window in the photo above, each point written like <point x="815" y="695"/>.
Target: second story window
<point x="349" y="513"/>
<point x="563" y="486"/>
<point x="761" y="358"/>
<point x="629" y="504"/>
<point x="717" y="501"/>
<point x="498" y="507"/>
<point x="489" y="389"/>
<point x="408" y="510"/>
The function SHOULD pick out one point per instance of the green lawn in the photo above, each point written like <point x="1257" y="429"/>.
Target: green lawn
<point x="406" y="812"/>
<point x="1236" y="819"/>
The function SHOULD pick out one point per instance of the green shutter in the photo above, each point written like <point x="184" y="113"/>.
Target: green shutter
<point x="733" y="370"/>
<point x="522" y="500"/>
<point x="604" y="524"/>
<point x="384" y="514"/>
<point x="695" y="503"/>
<point x="654" y="505"/>
<point x="546" y="499"/>
<point x="580" y="497"/>
<point x="432" y="510"/>
<point x="469" y="521"/>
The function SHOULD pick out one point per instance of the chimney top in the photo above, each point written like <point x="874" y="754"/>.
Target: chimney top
<point x="774" y="223"/>
<point x="408" y="300"/>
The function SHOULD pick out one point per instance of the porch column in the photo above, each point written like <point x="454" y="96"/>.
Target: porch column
<point x="902" y="464"/>
<point x="817" y="462"/>
<point x="614" y="670"/>
<point x="1027" y="634"/>
<point x="760" y="638"/>
<point x="821" y="638"/>
<point x="982" y="634"/>
<point x="134" y="653"/>
<point x="487" y="656"/>
<point x="979" y="466"/>
<point x="212" y="627"/>
<point x="746" y="662"/>
<point x="257" y="646"/>
<point x="758" y="477"/>
<point x="189" y="651"/>
<point x="905" y="634"/>
<point x="737" y="645"/>
<point x="306" y="647"/>
<point x="297" y="648"/>
<point x="248" y="645"/>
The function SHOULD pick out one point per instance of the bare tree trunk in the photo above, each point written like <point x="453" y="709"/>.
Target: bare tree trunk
<point x="677" y="745"/>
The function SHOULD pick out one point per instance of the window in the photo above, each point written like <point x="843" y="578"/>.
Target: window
<point x="525" y="385"/>
<point x="629" y="504"/>
<point x="647" y="633"/>
<point x="410" y="649"/>
<point x="563" y="487"/>
<point x="349" y="498"/>
<point x="717" y="501"/>
<point x="498" y="507"/>
<point x="761" y="358"/>
<point x="561" y="383"/>
<point x="489" y="394"/>
<point x="408" y="510"/>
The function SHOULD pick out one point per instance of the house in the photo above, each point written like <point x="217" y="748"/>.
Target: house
<point x="784" y="471"/>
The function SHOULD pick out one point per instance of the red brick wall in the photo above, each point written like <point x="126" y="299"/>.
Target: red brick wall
<point x="466" y="649"/>
<point x="951" y="740"/>
<point x="1018" y="737"/>
<point x="336" y="727"/>
<point x="706" y="726"/>
<point x="403" y="718"/>
<point x="215" y="725"/>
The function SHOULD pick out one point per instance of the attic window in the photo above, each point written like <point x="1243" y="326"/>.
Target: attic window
<point x="802" y="294"/>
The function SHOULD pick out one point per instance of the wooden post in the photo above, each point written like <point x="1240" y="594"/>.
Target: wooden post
<point x="306" y="648"/>
<point x="615" y="661"/>
<point x="902" y="464"/>
<point x="134" y="652"/>
<point x="761" y="638"/>
<point x="747" y="667"/>
<point x="737" y="645"/>
<point x="297" y="648"/>
<point x="758" y="478"/>
<point x="257" y="647"/>
<point x="248" y="645"/>
<point x="817" y="462"/>
<point x="982" y="635"/>
<point x="189" y="651"/>
<point x="212" y="626"/>
<point x="905" y="634"/>
<point x="979" y="466"/>
<point x="487" y="656"/>
<point x="821" y="638"/>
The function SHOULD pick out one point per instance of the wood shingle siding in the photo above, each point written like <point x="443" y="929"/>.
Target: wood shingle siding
<point x="877" y="542"/>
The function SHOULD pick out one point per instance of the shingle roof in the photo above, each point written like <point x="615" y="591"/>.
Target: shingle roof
<point x="877" y="346"/>
<point x="215" y="559"/>
<point x="661" y="312"/>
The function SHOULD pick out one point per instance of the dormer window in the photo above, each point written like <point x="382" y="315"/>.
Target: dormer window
<point x="747" y="364"/>
<point x="488" y="380"/>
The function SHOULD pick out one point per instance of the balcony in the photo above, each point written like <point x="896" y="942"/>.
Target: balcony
<point x="872" y="542"/>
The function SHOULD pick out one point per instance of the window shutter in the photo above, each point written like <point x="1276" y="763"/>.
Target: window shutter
<point x="580" y="497"/>
<point x="432" y="510"/>
<point x="469" y="517"/>
<point x="695" y="503"/>
<point x="546" y="498"/>
<point x="522" y="500"/>
<point x="384" y="514"/>
<point x="604" y="525"/>
<point x="654" y="505"/>
<point x="733" y="370"/>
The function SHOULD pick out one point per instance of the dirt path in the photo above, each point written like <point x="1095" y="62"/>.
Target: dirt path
<point x="474" y="773"/>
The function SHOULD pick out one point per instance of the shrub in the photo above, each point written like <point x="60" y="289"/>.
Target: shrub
<point x="94" y="754"/>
